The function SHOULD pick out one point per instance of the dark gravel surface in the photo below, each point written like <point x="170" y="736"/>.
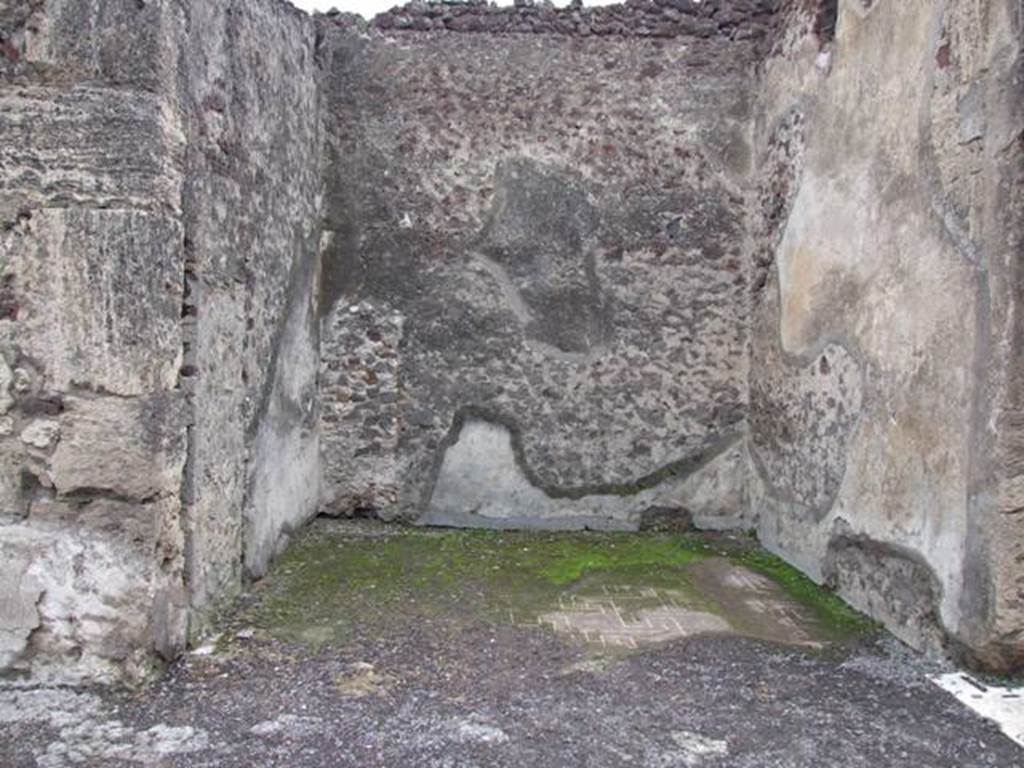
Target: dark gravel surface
<point x="424" y="674"/>
<point x="505" y="696"/>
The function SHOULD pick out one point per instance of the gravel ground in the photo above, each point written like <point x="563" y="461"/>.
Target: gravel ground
<point x="432" y="690"/>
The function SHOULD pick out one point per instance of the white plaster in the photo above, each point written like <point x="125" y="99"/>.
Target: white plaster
<point x="1002" y="704"/>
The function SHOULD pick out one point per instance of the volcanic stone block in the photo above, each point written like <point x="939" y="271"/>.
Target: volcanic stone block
<point x="87" y="146"/>
<point x="97" y="296"/>
<point x="120" y="42"/>
<point x="125" y="448"/>
<point x="96" y="604"/>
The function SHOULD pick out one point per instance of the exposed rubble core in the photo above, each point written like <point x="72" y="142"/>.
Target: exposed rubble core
<point x="753" y="264"/>
<point x="567" y="261"/>
<point x="734" y="20"/>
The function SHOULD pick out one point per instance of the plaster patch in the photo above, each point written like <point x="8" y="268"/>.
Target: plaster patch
<point x="481" y="483"/>
<point x="19" y="609"/>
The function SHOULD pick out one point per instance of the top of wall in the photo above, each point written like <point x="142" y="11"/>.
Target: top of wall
<point x="749" y="20"/>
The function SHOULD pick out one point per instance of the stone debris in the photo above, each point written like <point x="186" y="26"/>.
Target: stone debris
<point x="476" y="730"/>
<point x="696" y="748"/>
<point x="287" y="726"/>
<point x="85" y="733"/>
<point x="363" y="679"/>
<point x="208" y="647"/>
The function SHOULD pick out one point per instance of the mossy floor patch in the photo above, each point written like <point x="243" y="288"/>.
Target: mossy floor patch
<point x="340" y="581"/>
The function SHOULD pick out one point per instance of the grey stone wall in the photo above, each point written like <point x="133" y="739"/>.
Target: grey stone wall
<point x="158" y="252"/>
<point x="545" y="234"/>
<point x="91" y="252"/>
<point x="887" y="214"/>
<point x="251" y="105"/>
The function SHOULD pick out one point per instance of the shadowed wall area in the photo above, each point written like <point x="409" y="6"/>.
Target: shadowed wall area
<point x="745" y="264"/>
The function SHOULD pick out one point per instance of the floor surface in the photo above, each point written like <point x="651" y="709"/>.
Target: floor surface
<point x="371" y="646"/>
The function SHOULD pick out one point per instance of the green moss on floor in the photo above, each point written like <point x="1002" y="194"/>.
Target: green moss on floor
<point x="566" y="559"/>
<point x="834" y="614"/>
<point x="335" y="582"/>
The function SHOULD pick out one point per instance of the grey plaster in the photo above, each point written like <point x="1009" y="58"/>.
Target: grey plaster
<point x="886" y="249"/>
<point x="481" y="483"/>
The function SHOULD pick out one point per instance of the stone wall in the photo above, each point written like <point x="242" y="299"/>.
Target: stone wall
<point x="158" y="249"/>
<point x="536" y="264"/>
<point x="91" y="235"/>
<point x="252" y="196"/>
<point x="884" y="427"/>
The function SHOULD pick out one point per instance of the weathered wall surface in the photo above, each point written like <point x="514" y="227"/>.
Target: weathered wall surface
<point x="158" y="246"/>
<point x="252" y="199"/>
<point x="542" y="234"/>
<point x="93" y="425"/>
<point x="751" y="21"/>
<point x="885" y="331"/>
